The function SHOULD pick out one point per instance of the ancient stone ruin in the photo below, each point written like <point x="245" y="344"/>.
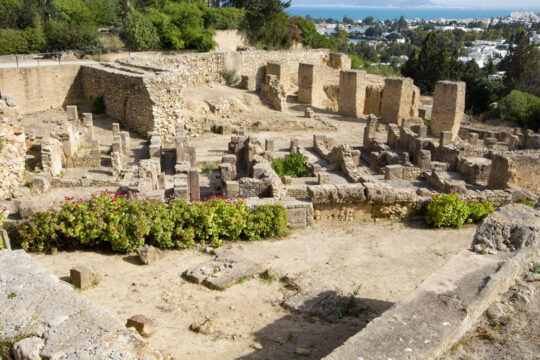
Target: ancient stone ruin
<point x="164" y="127"/>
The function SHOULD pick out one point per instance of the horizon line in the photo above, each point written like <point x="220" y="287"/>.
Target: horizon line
<point x="414" y="7"/>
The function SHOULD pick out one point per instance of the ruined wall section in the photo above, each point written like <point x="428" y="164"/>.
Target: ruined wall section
<point x="126" y="95"/>
<point x="39" y="88"/>
<point x="12" y="149"/>
<point x="204" y="68"/>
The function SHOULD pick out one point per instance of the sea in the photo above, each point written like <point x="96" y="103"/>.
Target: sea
<point x="359" y="13"/>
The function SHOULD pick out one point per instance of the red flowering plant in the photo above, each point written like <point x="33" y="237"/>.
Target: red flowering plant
<point x="449" y="210"/>
<point x="114" y="222"/>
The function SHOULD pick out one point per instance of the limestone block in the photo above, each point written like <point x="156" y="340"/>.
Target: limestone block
<point x="398" y="100"/>
<point x="296" y="218"/>
<point x="269" y="145"/>
<point x="28" y="349"/>
<point x="323" y="178"/>
<point x="508" y="229"/>
<point x="116" y="129"/>
<point x="352" y="92"/>
<point x="232" y="189"/>
<point x="310" y="85"/>
<point x="72" y="113"/>
<point x="340" y="61"/>
<point x="423" y="160"/>
<point x="40" y="185"/>
<point x="448" y="107"/>
<point x="286" y="180"/>
<point x="82" y="277"/>
<point x="144" y="326"/>
<point x="393" y="172"/>
<point x="248" y="82"/>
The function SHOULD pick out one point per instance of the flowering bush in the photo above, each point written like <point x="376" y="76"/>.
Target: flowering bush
<point x="450" y="211"/>
<point x="114" y="222"/>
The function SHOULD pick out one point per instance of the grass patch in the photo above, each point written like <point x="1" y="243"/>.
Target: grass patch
<point x="207" y="169"/>
<point x="536" y="268"/>
<point x="526" y="201"/>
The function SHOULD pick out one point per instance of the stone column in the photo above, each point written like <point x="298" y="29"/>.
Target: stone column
<point x="116" y="129"/>
<point x="88" y="127"/>
<point x="72" y="113"/>
<point x="398" y="100"/>
<point x="352" y="92"/>
<point x="269" y="145"/>
<point x="310" y="85"/>
<point x="448" y="107"/>
<point x="192" y="156"/>
<point x="193" y="182"/>
<point x="369" y="130"/>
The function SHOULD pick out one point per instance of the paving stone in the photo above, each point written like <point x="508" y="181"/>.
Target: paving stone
<point x="28" y="349"/>
<point x="223" y="271"/>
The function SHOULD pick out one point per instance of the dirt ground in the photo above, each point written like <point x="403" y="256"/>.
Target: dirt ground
<point x="378" y="263"/>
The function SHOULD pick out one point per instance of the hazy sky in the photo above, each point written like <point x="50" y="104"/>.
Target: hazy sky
<point x="501" y="4"/>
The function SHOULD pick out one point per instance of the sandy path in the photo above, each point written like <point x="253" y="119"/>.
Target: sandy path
<point x="383" y="261"/>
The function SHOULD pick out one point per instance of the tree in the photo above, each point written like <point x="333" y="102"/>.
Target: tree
<point x="9" y="13"/>
<point x="522" y="66"/>
<point x="402" y="24"/>
<point x="348" y="20"/>
<point x="430" y="66"/>
<point x="140" y="33"/>
<point x="368" y="20"/>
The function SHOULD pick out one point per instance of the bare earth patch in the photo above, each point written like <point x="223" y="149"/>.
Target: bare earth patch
<point x="376" y="264"/>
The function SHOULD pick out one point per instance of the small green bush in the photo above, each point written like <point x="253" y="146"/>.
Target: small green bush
<point x="140" y="34"/>
<point x="293" y="165"/>
<point x="30" y="40"/>
<point x="224" y="18"/>
<point x="98" y="106"/>
<point x="231" y="78"/>
<point x="448" y="210"/>
<point x="209" y="168"/>
<point x="526" y="201"/>
<point x="119" y="224"/>
<point x="521" y="107"/>
<point x="536" y="268"/>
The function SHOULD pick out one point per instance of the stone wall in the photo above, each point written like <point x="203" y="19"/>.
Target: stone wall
<point x="516" y="169"/>
<point x="352" y="92"/>
<point x="39" y="88"/>
<point x="12" y="149"/>
<point x="126" y="95"/>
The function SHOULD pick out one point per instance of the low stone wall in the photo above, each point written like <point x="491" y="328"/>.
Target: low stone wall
<point x="59" y="323"/>
<point x="12" y="149"/>
<point x="448" y="303"/>
<point x="516" y="169"/>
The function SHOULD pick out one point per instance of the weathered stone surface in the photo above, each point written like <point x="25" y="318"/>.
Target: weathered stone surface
<point x="508" y="229"/>
<point x="82" y="277"/>
<point x="144" y="326"/>
<point x="448" y="107"/>
<point x="441" y="310"/>
<point x="225" y="270"/>
<point x="32" y="298"/>
<point x="4" y="240"/>
<point x="343" y="193"/>
<point x="28" y="349"/>
<point x="148" y="254"/>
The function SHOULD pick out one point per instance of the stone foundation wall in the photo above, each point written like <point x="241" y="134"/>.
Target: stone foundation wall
<point x="126" y="96"/>
<point x="39" y="88"/>
<point x="12" y="149"/>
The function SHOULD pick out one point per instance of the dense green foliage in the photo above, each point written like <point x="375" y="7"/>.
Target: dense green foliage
<point x="119" y="224"/>
<point x="29" y="40"/>
<point x="293" y="165"/>
<point x="448" y="210"/>
<point x="520" y="107"/>
<point x="140" y="33"/>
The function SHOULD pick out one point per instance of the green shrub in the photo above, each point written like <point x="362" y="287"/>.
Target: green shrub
<point x="98" y="106"/>
<point x="448" y="210"/>
<point x="140" y="33"/>
<point x="230" y="77"/>
<point x="209" y="168"/>
<point x="479" y="210"/>
<point x="30" y="40"/>
<point x="293" y="165"/>
<point x="224" y="18"/>
<point x="526" y="201"/>
<point x="521" y="107"/>
<point x="536" y="268"/>
<point x="72" y="36"/>
<point x="119" y="224"/>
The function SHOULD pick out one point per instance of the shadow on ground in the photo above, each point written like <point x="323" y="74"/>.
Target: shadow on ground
<point x="318" y="324"/>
